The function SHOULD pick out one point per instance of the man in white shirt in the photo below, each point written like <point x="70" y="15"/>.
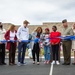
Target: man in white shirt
<point x="23" y="36"/>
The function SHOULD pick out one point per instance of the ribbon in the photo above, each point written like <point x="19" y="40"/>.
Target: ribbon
<point x="37" y="39"/>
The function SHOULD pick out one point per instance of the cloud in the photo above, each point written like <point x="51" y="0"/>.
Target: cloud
<point x="36" y="11"/>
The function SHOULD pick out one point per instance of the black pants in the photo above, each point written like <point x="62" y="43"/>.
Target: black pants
<point x="12" y="53"/>
<point x="36" y="50"/>
<point x="55" y="49"/>
<point x="2" y="53"/>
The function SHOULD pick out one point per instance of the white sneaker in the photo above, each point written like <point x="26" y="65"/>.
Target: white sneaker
<point x="57" y="62"/>
<point x="19" y="64"/>
<point x="38" y="63"/>
<point x="53" y="62"/>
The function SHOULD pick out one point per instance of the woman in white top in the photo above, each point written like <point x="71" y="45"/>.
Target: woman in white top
<point x="10" y="35"/>
<point x="73" y="43"/>
<point x="2" y="45"/>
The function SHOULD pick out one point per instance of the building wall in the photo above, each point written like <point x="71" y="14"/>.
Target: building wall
<point x="44" y="25"/>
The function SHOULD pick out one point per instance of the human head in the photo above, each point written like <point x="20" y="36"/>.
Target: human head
<point x="74" y="26"/>
<point x="47" y="30"/>
<point x="64" y="23"/>
<point x="25" y="23"/>
<point x="12" y="28"/>
<point x="1" y="26"/>
<point x="38" y="30"/>
<point x="54" y="28"/>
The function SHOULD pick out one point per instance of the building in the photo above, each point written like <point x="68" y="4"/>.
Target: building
<point x="44" y="25"/>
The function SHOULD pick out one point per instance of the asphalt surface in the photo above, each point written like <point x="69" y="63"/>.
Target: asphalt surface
<point x="29" y="69"/>
<point x="64" y="70"/>
<point x="34" y="69"/>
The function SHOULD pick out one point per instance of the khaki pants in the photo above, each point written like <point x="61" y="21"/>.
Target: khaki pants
<point x="67" y="51"/>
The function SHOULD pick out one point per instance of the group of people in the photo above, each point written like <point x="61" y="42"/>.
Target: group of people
<point x="49" y="40"/>
<point x="12" y="36"/>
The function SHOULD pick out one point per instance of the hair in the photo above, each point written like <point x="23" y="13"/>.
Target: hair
<point x="64" y="21"/>
<point x="55" y="27"/>
<point x="74" y="24"/>
<point x="11" y="28"/>
<point x="1" y="26"/>
<point x="37" y="30"/>
<point x="0" y="23"/>
<point x="25" y="22"/>
<point x="47" y="30"/>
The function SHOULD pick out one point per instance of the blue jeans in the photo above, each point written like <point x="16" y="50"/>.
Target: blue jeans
<point x="21" y="51"/>
<point x="47" y="52"/>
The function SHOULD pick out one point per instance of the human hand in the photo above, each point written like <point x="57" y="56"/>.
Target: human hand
<point x="52" y="44"/>
<point x="56" y="43"/>
<point x="19" y="40"/>
<point x="0" y="42"/>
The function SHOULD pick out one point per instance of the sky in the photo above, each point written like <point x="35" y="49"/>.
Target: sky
<point x="36" y="11"/>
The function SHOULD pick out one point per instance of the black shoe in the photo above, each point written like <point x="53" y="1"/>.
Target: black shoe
<point x="4" y="63"/>
<point x="63" y="63"/>
<point x="1" y="64"/>
<point x="13" y="63"/>
<point x="10" y="64"/>
<point x="73" y="63"/>
<point x="67" y="63"/>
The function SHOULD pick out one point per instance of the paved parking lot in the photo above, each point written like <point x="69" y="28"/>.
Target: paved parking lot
<point x="31" y="69"/>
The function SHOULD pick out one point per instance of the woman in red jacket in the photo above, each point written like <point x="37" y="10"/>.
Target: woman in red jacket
<point x="55" y="44"/>
<point x="10" y="36"/>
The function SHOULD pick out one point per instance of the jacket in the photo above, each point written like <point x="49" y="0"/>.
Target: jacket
<point x="53" y="37"/>
<point x="7" y="37"/>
